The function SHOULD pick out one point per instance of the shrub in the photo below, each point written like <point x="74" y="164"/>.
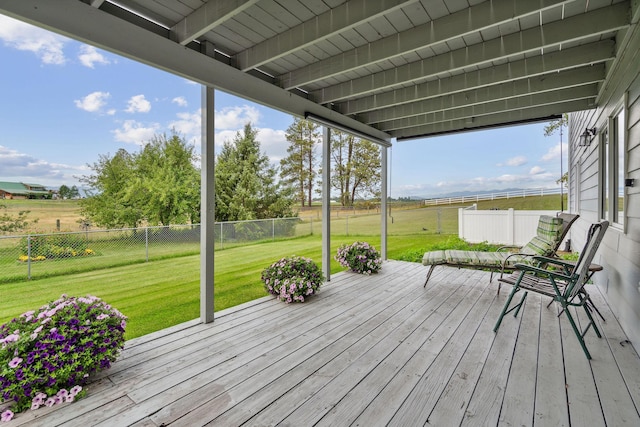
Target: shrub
<point x="360" y="257"/>
<point x="47" y="355"/>
<point x="452" y="242"/>
<point x="292" y="278"/>
<point x="54" y="246"/>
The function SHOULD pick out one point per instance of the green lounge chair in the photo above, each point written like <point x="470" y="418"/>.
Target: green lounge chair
<point x="565" y="283"/>
<point x="549" y="235"/>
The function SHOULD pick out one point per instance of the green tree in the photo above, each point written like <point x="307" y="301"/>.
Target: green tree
<point x="64" y="192"/>
<point x="117" y="199"/>
<point x="299" y="168"/>
<point x="555" y="125"/>
<point x="245" y="182"/>
<point x="564" y="180"/>
<point x="74" y="193"/>
<point x="12" y="223"/>
<point x="169" y="179"/>
<point x="158" y="185"/>
<point x="356" y="167"/>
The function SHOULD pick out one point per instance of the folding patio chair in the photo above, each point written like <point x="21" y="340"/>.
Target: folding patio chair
<point x="565" y="283"/>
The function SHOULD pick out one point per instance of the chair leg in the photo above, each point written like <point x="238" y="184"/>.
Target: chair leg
<point x="429" y="274"/>
<point x="506" y="309"/>
<point x="579" y="335"/>
<point x="519" y="306"/>
<point x="585" y="303"/>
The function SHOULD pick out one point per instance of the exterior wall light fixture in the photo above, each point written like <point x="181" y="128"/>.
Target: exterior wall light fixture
<point x="587" y="137"/>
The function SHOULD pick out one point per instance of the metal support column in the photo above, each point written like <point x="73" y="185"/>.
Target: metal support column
<point x="383" y="202"/>
<point x="207" y="209"/>
<point x="326" y="202"/>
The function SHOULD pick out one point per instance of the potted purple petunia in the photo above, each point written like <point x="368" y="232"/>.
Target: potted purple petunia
<point x="359" y="257"/>
<point x="292" y="279"/>
<point x="47" y="355"/>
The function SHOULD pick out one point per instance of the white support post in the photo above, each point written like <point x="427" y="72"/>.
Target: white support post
<point x="383" y="202"/>
<point x="207" y="209"/>
<point x="326" y="202"/>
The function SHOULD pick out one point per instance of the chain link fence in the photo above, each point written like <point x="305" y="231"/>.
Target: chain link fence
<point x="42" y="255"/>
<point x="437" y="220"/>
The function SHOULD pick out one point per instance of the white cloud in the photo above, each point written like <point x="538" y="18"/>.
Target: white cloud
<point x="554" y="152"/>
<point x="181" y="101"/>
<point x="45" y="45"/>
<point x="138" y="104"/>
<point x="536" y="170"/>
<point x="24" y="167"/>
<point x="188" y="126"/>
<point x="236" y="117"/>
<point x="133" y="132"/>
<point x="273" y="142"/>
<point x="514" y="161"/>
<point x="93" y="102"/>
<point x="89" y="56"/>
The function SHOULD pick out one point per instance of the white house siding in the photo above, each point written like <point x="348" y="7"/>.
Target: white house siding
<point x="620" y="250"/>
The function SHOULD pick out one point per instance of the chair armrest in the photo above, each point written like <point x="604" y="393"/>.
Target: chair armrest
<point x="567" y="266"/>
<point x="504" y="263"/>
<point x="542" y="271"/>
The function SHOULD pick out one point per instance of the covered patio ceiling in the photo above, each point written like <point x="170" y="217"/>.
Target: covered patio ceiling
<point x="387" y="68"/>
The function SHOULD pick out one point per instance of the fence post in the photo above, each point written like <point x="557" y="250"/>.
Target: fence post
<point x="311" y="225"/>
<point x="29" y="256"/>
<point x="439" y="220"/>
<point x="273" y="229"/>
<point x="461" y="223"/>
<point x="511" y="224"/>
<point x="221" y="233"/>
<point x="347" y="224"/>
<point x="146" y="242"/>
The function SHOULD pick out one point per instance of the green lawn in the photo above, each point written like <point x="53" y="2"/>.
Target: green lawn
<point x="162" y="293"/>
<point x="165" y="291"/>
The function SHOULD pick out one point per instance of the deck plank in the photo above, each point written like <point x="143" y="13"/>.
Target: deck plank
<point x="616" y="401"/>
<point x="429" y="379"/>
<point x="551" y="387"/>
<point x="625" y="355"/>
<point x="518" y="405"/>
<point x="419" y="350"/>
<point x="369" y="351"/>
<point x="582" y="395"/>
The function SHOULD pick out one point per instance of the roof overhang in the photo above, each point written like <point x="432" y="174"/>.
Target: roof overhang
<point x="401" y="69"/>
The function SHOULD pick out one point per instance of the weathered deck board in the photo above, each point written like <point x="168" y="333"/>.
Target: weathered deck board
<point x="520" y="394"/>
<point x="368" y="351"/>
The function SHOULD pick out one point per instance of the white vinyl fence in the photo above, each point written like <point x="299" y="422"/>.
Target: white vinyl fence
<point x="493" y="196"/>
<point x="502" y="227"/>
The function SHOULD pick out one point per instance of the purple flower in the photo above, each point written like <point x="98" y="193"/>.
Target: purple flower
<point x="15" y="362"/>
<point x="6" y="416"/>
<point x="50" y="402"/>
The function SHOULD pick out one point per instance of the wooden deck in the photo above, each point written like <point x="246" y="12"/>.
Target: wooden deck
<point x="369" y="351"/>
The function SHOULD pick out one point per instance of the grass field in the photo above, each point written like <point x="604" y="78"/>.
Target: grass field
<point x="47" y="212"/>
<point x="162" y="293"/>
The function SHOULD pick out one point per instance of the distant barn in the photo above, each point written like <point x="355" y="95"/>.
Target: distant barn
<point x="22" y="190"/>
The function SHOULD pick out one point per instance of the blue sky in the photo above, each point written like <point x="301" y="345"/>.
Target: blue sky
<point x="63" y="103"/>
